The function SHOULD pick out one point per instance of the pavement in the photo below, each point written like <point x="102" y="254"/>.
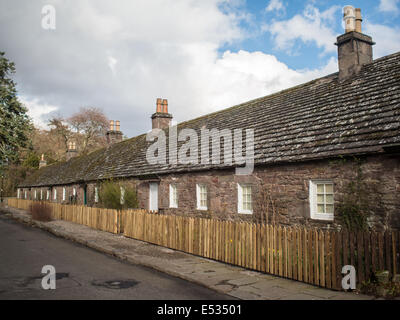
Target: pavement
<point x="233" y="281"/>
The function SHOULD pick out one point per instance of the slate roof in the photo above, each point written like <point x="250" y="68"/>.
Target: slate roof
<point x="320" y="119"/>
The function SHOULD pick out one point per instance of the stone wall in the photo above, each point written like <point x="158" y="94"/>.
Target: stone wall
<point x="285" y="185"/>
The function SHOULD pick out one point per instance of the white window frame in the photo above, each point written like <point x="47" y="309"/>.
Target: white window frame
<point x="96" y="195"/>
<point x="122" y="197"/>
<point x="199" y="186"/>
<point x="41" y="194"/>
<point x="55" y="194"/>
<point x="173" y="196"/>
<point x="35" y="193"/>
<point x="240" y="188"/>
<point x="47" y="194"/>
<point x="25" y="195"/>
<point x="313" y="201"/>
<point x="18" y="193"/>
<point x="153" y="196"/>
<point x="64" y="193"/>
<point x="74" y="191"/>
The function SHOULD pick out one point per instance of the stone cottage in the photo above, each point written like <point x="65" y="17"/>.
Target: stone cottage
<point x="322" y="150"/>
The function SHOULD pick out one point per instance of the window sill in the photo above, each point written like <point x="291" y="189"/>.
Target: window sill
<point x="322" y="217"/>
<point x="245" y="212"/>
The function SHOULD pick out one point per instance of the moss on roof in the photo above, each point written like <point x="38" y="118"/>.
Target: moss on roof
<point x="320" y="119"/>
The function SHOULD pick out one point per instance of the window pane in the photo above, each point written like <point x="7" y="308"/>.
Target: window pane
<point x="247" y="198"/>
<point x="320" y="188"/>
<point x="329" y="208"/>
<point x="329" y="198"/>
<point x="173" y="195"/>
<point x="329" y="188"/>
<point x="320" y="198"/>
<point x="320" y="208"/>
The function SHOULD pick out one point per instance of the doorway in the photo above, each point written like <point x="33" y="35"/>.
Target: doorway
<point x="153" y="196"/>
<point x="85" y="195"/>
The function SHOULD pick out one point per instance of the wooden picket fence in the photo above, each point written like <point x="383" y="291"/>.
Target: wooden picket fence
<point x="109" y="220"/>
<point x="309" y="255"/>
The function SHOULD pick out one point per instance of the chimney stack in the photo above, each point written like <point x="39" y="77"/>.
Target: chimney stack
<point x="354" y="47"/>
<point x="161" y="119"/>
<point x="42" y="162"/>
<point x="71" y="150"/>
<point x="114" y="135"/>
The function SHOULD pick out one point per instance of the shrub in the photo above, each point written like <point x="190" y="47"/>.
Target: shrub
<point x="110" y="196"/>
<point x="130" y="197"/>
<point x="388" y="290"/>
<point x="40" y="211"/>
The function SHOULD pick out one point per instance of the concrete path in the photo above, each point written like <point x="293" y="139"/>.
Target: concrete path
<point x="234" y="281"/>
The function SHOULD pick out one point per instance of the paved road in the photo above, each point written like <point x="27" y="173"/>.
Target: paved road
<point x="82" y="272"/>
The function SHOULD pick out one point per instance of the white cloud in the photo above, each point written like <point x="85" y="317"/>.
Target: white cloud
<point x="275" y="5"/>
<point x="120" y="56"/>
<point x="240" y="76"/>
<point x="38" y="111"/>
<point x="387" y="39"/>
<point x="111" y="63"/>
<point x="389" y="6"/>
<point x="312" y="26"/>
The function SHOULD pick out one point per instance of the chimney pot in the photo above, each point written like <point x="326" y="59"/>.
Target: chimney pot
<point x="165" y="106"/>
<point x="42" y="162"/>
<point x="117" y="126"/>
<point x="358" y="20"/>
<point x="111" y="125"/>
<point x="349" y="17"/>
<point x="159" y="105"/>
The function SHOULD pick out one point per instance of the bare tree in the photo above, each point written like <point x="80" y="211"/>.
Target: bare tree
<point x="87" y="128"/>
<point x="60" y="128"/>
<point x="90" y="126"/>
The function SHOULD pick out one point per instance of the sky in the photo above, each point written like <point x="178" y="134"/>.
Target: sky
<point x="203" y="56"/>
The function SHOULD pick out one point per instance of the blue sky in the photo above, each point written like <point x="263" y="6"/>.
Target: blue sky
<point x="201" y="55"/>
<point x="305" y="54"/>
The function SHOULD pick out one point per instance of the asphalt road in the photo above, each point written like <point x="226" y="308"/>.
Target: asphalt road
<point x="82" y="273"/>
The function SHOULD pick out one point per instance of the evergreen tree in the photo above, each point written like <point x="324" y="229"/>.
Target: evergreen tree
<point x="14" y="121"/>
